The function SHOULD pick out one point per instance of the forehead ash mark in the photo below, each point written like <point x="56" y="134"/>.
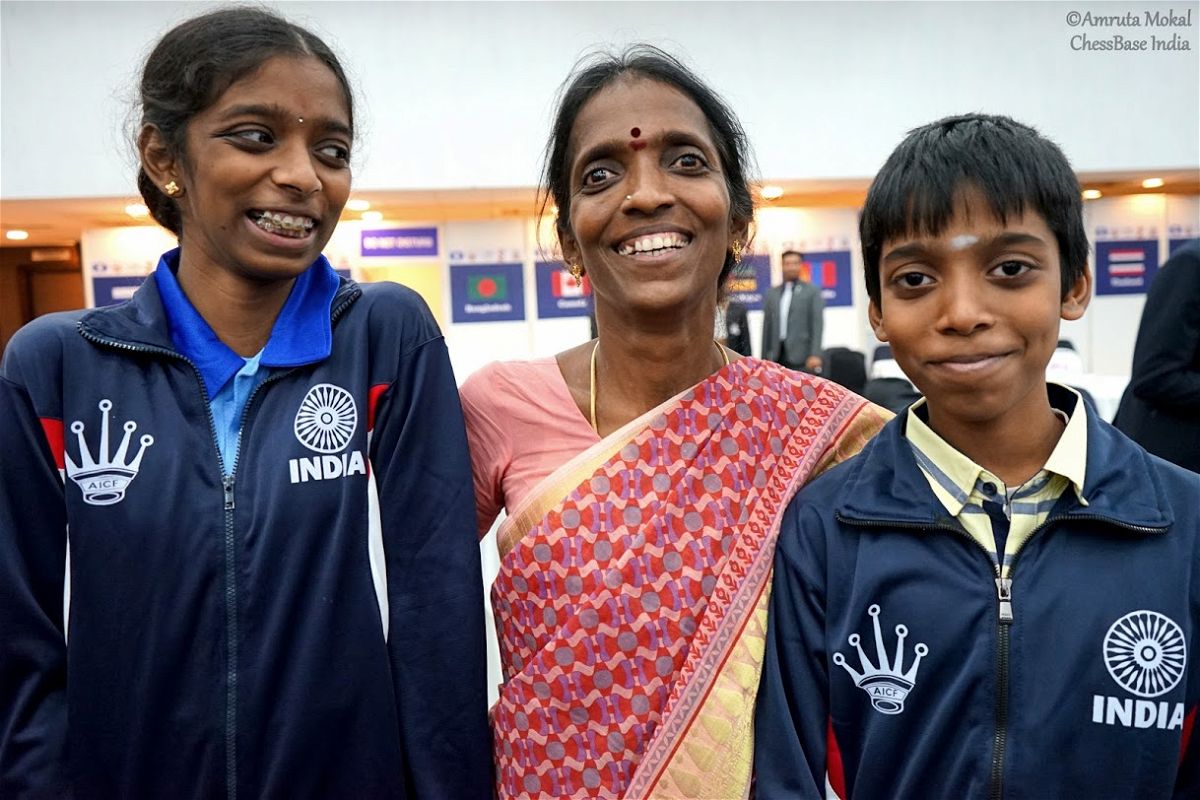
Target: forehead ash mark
<point x="963" y="241"/>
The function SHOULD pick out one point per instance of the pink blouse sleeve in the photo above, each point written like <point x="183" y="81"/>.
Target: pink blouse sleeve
<point x="491" y="452"/>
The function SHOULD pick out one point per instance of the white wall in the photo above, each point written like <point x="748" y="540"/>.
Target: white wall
<point x="458" y="94"/>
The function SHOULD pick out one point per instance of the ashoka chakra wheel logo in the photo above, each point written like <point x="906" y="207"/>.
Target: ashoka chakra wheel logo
<point x="326" y="419"/>
<point x="1145" y="652"/>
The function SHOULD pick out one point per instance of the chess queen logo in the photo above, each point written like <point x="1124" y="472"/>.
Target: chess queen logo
<point x="103" y="478"/>
<point x="886" y="682"/>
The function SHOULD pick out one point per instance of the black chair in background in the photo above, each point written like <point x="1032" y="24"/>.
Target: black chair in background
<point x="846" y="367"/>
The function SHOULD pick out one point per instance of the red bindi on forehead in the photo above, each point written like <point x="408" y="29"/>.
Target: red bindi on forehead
<point x="637" y="143"/>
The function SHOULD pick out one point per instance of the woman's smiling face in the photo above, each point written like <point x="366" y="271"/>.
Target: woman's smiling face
<point x="266" y="170"/>
<point x="649" y="215"/>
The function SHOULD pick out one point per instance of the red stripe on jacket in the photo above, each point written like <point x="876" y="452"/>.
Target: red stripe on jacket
<point x="833" y="762"/>
<point x="53" y="428"/>
<point x="373" y="395"/>
<point x="1188" y="723"/>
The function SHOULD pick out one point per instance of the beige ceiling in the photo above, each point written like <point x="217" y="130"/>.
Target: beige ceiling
<point x="60" y="221"/>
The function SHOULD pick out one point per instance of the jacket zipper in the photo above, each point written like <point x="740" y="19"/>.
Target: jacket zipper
<point x="227" y="487"/>
<point x="1004" y="592"/>
<point x="1004" y="620"/>
<point x="228" y="482"/>
<point x="1004" y="616"/>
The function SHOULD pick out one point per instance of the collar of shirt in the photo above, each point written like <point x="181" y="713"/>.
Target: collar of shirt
<point x="302" y="333"/>
<point x="954" y="476"/>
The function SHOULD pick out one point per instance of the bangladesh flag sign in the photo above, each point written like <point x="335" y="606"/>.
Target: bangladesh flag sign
<point x="487" y="288"/>
<point x="487" y="292"/>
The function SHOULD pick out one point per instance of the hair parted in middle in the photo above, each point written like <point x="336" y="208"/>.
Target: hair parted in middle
<point x="197" y="60"/>
<point x="601" y="69"/>
<point x="1012" y="165"/>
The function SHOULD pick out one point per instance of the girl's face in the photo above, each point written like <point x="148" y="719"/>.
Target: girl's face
<point x="267" y="171"/>
<point x="650" y="212"/>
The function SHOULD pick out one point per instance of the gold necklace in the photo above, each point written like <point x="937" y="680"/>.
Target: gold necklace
<point x="592" y="380"/>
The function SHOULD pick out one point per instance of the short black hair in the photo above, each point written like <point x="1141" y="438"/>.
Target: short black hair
<point x="795" y="253"/>
<point x="1011" y="164"/>
<point x="599" y="70"/>
<point x="197" y="60"/>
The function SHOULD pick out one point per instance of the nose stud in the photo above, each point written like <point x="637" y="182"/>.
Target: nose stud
<point x="628" y="198"/>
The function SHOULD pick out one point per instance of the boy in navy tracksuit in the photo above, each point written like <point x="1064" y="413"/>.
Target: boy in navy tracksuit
<point x="1000" y="596"/>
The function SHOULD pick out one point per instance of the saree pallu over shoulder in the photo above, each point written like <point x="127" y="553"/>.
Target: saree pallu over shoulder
<point x="632" y="594"/>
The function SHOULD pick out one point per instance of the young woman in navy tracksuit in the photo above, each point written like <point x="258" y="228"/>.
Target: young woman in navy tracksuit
<point x="237" y="550"/>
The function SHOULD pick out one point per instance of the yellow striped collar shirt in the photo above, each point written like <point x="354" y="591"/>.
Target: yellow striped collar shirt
<point x="998" y="517"/>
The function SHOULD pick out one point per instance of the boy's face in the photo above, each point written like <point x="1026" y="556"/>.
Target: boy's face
<point x="972" y="314"/>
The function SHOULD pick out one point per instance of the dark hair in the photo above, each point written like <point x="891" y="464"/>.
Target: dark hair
<point x="196" y="61"/>
<point x="1012" y="165"/>
<point x="602" y="69"/>
<point x="795" y="253"/>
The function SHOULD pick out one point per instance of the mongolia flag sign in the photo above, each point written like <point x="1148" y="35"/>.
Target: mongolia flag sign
<point x="831" y="272"/>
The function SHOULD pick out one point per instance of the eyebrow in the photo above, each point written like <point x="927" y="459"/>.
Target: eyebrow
<point x="279" y="112"/>
<point x="672" y="138"/>
<point x="1006" y="239"/>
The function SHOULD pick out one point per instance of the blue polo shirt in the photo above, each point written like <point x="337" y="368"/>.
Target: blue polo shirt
<point x="302" y="334"/>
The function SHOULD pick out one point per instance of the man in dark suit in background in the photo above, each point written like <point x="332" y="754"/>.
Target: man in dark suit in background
<point x="1161" y="407"/>
<point x="793" y="319"/>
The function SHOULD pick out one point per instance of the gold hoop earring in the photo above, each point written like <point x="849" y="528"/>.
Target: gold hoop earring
<point x="171" y="188"/>
<point x="576" y="270"/>
<point x="737" y="250"/>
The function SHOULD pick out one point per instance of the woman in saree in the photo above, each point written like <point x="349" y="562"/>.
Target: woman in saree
<point x="645" y="472"/>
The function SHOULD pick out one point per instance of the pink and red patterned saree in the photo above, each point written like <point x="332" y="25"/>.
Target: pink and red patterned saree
<point x="632" y="596"/>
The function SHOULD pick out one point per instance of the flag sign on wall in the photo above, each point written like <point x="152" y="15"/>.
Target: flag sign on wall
<point x="749" y="281"/>
<point x="487" y="292"/>
<point x="831" y="272"/>
<point x="398" y="242"/>
<point x="1180" y="235"/>
<point x="557" y="294"/>
<point x="1125" y="266"/>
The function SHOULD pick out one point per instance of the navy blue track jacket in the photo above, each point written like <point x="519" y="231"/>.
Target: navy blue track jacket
<point x="892" y="662"/>
<point x="310" y="627"/>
